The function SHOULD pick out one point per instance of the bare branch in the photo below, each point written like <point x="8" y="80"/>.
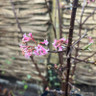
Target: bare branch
<point x="38" y="70"/>
<point x="89" y="16"/>
<point x="17" y="21"/>
<point x="90" y="56"/>
<point x="79" y="39"/>
<point x="82" y="60"/>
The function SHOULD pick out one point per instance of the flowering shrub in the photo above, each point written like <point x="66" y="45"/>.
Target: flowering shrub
<point x="59" y="45"/>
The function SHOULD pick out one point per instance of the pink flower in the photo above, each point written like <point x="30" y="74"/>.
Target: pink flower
<point x="58" y="44"/>
<point x="45" y="42"/>
<point x="26" y="50"/>
<point x="27" y="38"/>
<point x="90" y="40"/>
<point x="30" y="34"/>
<point x="27" y="55"/>
<point x="63" y="39"/>
<point x="60" y="48"/>
<point x="54" y="44"/>
<point x="47" y="89"/>
<point x="55" y="66"/>
<point x="40" y="50"/>
<point x="22" y="46"/>
<point x="66" y="42"/>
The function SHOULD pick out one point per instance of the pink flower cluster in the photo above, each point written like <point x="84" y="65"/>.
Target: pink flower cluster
<point x="38" y="49"/>
<point x="27" y="51"/>
<point x="88" y="1"/>
<point x="58" y="44"/>
<point x="45" y="42"/>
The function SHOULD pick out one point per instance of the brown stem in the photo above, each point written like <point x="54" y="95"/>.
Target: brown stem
<point x="38" y="70"/>
<point x="17" y="21"/>
<point x="73" y="15"/>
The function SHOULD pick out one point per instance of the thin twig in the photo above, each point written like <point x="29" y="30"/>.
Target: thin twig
<point x="17" y="21"/>
<point x="90" y="56"/>
<point x="82" y="12"/>
<point x="89" y="16"/>
<point x="79" y="39"/>
<point x="38" y="70"/>
<point x="82" y="61"/>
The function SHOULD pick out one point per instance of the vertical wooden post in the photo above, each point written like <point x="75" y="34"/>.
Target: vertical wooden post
<point x="53" y="56"/>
